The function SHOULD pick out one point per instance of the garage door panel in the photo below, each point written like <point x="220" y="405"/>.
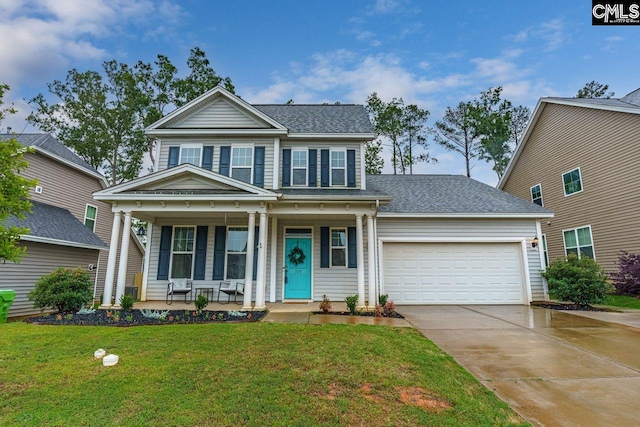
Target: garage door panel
<point x="454" y="273"/>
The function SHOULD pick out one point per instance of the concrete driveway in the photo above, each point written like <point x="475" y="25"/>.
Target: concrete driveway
<point x="553" y="368"/>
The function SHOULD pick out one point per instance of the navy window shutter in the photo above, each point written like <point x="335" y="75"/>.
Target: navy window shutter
<point x="225" y="160"/>
<point x="165" y="252"/>
<point x="174" y="157"/>
<point x="324" y="168"/>
<point x="286" y="167"/>
<point x="313" y="168"/>
<point x="201" y="252"/>
<point x="218" y="252"/>
<point x="324" y="247"/>
<point x="255" y="253"/>
<point x="351" y="168"/>
<point x="258" y="167"/>
<point x="352" y="247"/>
<point x="207" y="158"/>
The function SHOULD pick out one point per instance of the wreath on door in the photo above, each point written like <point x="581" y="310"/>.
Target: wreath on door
<point x="296" y="256"/>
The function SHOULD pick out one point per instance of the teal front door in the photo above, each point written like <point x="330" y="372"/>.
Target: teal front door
<point x="298" y="268"/>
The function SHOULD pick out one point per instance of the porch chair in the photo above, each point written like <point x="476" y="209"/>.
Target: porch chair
<point x="177" y="287"/>
<point x="229" y="289"/>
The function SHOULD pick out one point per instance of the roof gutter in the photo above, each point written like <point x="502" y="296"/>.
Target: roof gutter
<point x="464" y="215"/>
<point x="48" y="240"/>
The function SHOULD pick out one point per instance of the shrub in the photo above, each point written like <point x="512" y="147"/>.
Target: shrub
<point x="126" y="302"/>
<point x="201" y="302"/>
<point x="65" y="290"/>
<point x="581" y="281"/>
<point x="351" y="301"/>
<point x="627" y="279"/>
<point x="325" y="305"/>
<point x="382" y="299"/>
<point x="389" y="308"/>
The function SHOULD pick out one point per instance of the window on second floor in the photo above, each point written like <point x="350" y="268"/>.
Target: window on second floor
<point x="536" y="194"/>
<point x="579" y="242"/>
<point x="572" y="182"/>
<point x="90" y="215"/>
<point x="299" y="167"/>
<point x="338" y="167"/>
<point x="191" y="153"/>
<point x="242" y="163"/>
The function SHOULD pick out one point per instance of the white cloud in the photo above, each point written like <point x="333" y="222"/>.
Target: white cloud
<point x="553" y="33"/>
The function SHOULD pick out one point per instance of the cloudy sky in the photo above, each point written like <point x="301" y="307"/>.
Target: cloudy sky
<point x="327" y="51"/>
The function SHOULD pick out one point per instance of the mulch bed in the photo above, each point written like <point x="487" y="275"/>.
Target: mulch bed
<point x="134" y="317"/>
<point x="569" y="306"/>
<point x="394" y="314"/>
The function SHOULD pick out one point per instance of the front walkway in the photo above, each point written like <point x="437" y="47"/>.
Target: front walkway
<point x="553" y="368"/>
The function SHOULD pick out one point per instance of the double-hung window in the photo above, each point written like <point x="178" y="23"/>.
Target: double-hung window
<point x="90" y="215"/>
<point x="338" y="167"/>
<point x="338" y="247"/>
<point x="299" y="163"/>
<point x="191" y="153"/>
<point x="536" y="194"/>
<point x="182" y="249"/>
<point x="242" y="163"/>
<point x="236" y="252"/>
<point x="579" y="241"/>
<point x="572" y="182"/>
<point x="545" y="251"/>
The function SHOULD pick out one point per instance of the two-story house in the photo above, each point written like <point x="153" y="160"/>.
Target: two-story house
<point x="275" y="197"/>
<point x="580" y="157"/>
<point x="68" y="228"/>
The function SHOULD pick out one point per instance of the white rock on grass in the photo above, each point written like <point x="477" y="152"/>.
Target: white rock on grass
<point x="99" y="353"/>
<point x="110" y="360"/>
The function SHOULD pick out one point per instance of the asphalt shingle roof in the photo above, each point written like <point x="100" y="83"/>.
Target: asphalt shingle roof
<point x="48" y="143"/>
<point x="443" y="194"/>
<point x="52" y="222"/>
<point x="627" y="102"/>
<point x="302" y="118"/>
<point x="328" y="192"/>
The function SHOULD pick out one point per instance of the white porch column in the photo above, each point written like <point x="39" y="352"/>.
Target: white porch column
<point x="274" y="257"/>
<point x="262" y="258"/>
<point x="124" y="257"/>
<point x="111" y="261"/>
<point x="248" y="271"/>
<point x="371" y="245"/>
<point x="145" y="270"/>
<point x="360" y="260"/>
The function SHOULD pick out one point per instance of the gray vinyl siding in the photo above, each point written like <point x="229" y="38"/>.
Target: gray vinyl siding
<point x="218" y="114"/>
<point x="217" y="143"/>
<point x="604" y="144"/>
<point x="461" y="228"/>
<point x="309" y="144"/>
<point x="41" y="259"/>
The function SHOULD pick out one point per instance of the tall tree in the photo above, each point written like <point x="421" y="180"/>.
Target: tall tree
<point x="373" y="157"/>
<point x="593" y="89"/>
<point x="201" y="78"/>
<point x="14" y="190"/>
<point x="519" y="119"/>
<point x="388" y="122"/>
<point x="414" y="122"/>
<point x="456" y="132"/>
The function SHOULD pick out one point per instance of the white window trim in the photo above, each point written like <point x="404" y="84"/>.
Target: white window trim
<point x="95" y="220"/>
<point x="253" y="159"/>
<point x="581" y="182"/>
<point x="200" y="146"/>
<point x="531" y="193"/>
<point x="306" y="168"/>
<point x="545" y="250"/>
<point x="226" y="249"/>
<point x="193" y="252"/>
<point x="331" y="168"/>
<point x="575" y="230"/>
<point x="346" y="247"/>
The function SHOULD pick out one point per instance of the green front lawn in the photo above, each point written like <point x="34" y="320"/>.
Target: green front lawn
<point x="237" y="374"/>
<point x="622" y="301"/>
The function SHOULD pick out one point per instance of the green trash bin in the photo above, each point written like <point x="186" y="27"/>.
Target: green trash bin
<point x="6" y="299"/>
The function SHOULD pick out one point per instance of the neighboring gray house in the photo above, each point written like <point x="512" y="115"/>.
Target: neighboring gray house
<point x="68" y="228"/>
<point x="275" y="198"/>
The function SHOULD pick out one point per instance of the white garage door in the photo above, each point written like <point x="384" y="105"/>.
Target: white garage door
<point x="454" y="273"/>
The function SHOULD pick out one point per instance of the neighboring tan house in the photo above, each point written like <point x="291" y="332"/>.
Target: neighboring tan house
<point x="580" y="158"/>
<point x="275" y="198"/>
<point x="67" y="227"/>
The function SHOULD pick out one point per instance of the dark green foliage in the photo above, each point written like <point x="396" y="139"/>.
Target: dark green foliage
<point x="351" y="301"/>
<point x="201" y="302"/>
<point x="593" y="89"/>
<point x="382" y="299"/>
<point x="581" y="281"/>
<point x="627" y="279"/>
<point x="65" y="290"/>
<point x="126" y="302"/>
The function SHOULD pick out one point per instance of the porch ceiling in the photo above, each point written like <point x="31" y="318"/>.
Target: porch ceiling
<point x="180" y="216"/>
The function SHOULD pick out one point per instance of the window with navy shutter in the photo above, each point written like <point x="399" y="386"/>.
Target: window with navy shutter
<point x="258" y="167"/>
<point x="324" y="247"/>
<point x="174" y="157"/>
<point x="225" y="160"/>
<point x="286" y="167"/>
<point x="313" y="168"/>
<point x="353" y="251"/>
<point x="201" y="252"/>
<point x="324" y="168"/>
<point x="207" y="158"/>
<point x="219" y="252"/>
<point x="165" y="252"/>
<point x="351" y="168"/>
